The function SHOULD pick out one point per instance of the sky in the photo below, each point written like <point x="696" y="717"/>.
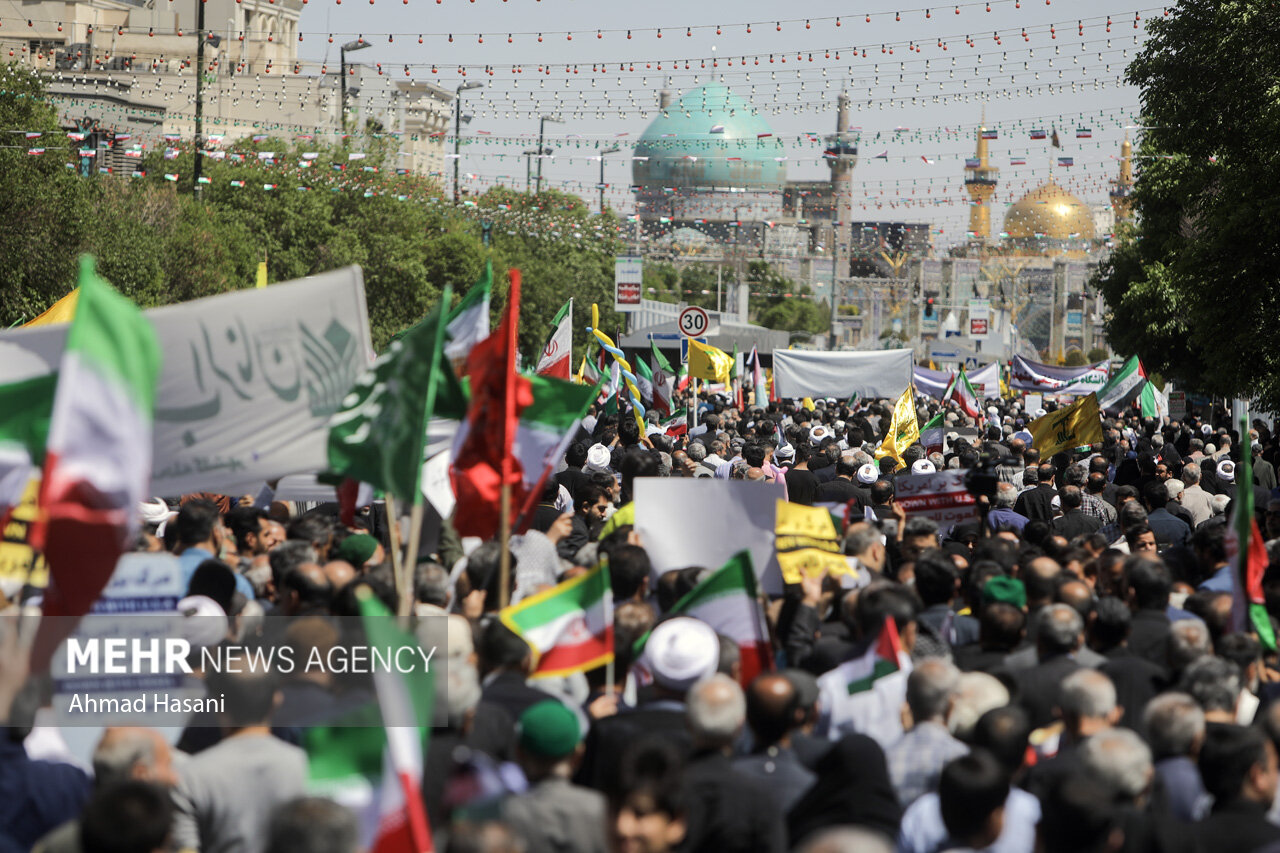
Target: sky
<point x="919" y="106"/>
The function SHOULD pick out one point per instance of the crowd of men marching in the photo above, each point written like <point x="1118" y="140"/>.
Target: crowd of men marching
<point x="1069" y="672"/>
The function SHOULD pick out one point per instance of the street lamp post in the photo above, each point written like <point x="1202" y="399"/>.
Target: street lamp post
<point x="457" y="133"/>
<point x="542" y="125"/>
<point x="528" y="168"/>
<point x="614" y="150"/>
<point x="359" y="44"/>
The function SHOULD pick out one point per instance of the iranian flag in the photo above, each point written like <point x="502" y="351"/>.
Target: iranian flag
<point x="933" y="434"/>
<point x="1123" y="387"/>
<point x="372" y="762"/>
<point x="729" y="603"/>
<point x="962" y="394"/>
<point x="677" y="424"/>
<point x="25" y="409"/>
<point x="468" y="322"/>
<point x="97" y="465"/>
<point x="516" y="428"/>
<point x="569" y="627"/>
<point x="663" y="379"/>
<point x="557" y="355"/>
<point x="1247" y="551"/>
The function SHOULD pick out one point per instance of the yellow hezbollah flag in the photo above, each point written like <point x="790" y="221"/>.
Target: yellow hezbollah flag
<point x="708" y="363"/>
<point x="904" y="431"/>
<point x="262" y="274"/>
<point x="807" y="542"/>
<point x="1075" y="426"/>
<point x="59" y="312"/>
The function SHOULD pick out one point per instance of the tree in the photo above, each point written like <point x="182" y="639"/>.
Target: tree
<point x="1192" y="290"/>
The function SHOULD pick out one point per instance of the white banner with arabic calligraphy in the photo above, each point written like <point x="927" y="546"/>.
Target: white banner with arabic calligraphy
<point x="250" y="379"/>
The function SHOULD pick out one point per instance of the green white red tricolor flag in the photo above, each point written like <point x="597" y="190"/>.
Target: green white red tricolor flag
<point x="933" y="435"/>
<point x="569" y="627"/>
<point x="961" y="392"/>
<point x="25" y="409"/>
<point x="1248" y="553"/>
<point x="728" y="601"/>
<point x="373" y="763"/>
<point x="468" y="322"/>
<point x="663" y="379"/>
<point x="557" y="355"/>
<point x="97" y="465"/>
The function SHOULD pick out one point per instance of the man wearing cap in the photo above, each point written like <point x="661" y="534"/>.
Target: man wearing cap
<point x="679" y="653"/>
<point x="362" y="551"/>
<point x="842" y="489"/>
<point x="554" y="814"/>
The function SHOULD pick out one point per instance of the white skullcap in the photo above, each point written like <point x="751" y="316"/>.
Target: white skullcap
<point x="204" y="622"/>
<point x="1206" y="429"/>
<point x="598" y="459"/>
<point x="923" y="466"/>
<point x="153" y="511"/>
<point x="1040" y="413"/>
<point x="817" y="434"/>
<point x="589" y="423"/>
<point x="1227" y="470"/>
<point x="868" y="474"/>
<point x="993" y="411"/>
<point x="681" y="652"/>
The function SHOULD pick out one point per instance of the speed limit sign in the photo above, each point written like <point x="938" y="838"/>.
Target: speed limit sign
<point x="694" y="322"/>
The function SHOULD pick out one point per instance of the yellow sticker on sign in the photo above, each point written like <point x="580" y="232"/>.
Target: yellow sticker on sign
<point x="807" y="542"/>
<point x="18" y="560"/>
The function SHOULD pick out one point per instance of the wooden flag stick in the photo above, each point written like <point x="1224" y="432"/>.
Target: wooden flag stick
<point x="408" y="567"/>
<point x="393" y="523"/>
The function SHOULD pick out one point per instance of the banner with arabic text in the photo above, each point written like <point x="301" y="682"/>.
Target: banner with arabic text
<point x="1027" y="375"/>
<point x="250" y="379"/>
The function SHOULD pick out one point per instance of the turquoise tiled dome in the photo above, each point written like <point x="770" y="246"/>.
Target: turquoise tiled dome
<point x="709" y="138"/>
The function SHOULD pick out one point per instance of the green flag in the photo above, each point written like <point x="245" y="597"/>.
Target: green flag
<point x="659" y="360"/>
<point x="379" y="434"/>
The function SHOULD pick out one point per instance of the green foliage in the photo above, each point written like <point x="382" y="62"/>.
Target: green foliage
<point x="780" y="303"/>
<point x="158" y="243"/>
<point x="1074" y="358"/>
<point x="1193" y="289"/>
<point x="1096" y="355"/>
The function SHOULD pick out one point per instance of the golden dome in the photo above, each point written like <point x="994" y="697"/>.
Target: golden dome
<point x="1049" y="212"/>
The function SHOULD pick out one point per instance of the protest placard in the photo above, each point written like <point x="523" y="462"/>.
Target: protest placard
<point x="941" y="497"/>
<point x="807" y="542"/>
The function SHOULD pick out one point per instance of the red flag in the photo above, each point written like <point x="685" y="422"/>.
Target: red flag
<point x="483" y="458"/>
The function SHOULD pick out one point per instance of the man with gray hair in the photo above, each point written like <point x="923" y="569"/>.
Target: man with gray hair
<point x="916" y="761"/>
<point x="1214" y="683"/>
<point x="1189" y="641"/>
<point x="727" y="810"/>
<point x="1175" y="729"/>
<point x="1059" y="634"/>
<point x="1130" y="514"/>
<point x="1195" y="500"/>
<point x="975" y="694"/>
<point x="1086" y="706"/>
<point x="1003" y="516"/>
<point x="123" y="754"/>
<point x="1119" y="759"/>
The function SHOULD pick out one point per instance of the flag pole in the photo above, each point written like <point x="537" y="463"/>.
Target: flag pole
<point x="408" y="567"/>
<point x="397" y="562"/>
<point x="508" y="409"/>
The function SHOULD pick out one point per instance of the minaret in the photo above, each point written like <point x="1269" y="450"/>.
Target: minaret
<point x="842" y="156"/>
<point x="1121" y="195"/>
<point x="980" y="183"/>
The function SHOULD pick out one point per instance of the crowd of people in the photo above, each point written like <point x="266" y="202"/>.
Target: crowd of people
<point x="1073" y="673"/>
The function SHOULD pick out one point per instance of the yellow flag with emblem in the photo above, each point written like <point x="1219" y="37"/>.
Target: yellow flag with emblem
<point x="708" y="363"/>
<point x="1075" y="426"/>
<point x="904" y="430"/>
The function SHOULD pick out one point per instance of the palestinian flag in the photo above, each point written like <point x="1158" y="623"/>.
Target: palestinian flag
<point x="880" y="660"/>
<point x="97" y="463"/>
<point x="933" y="434"/>
<point x="1248" y="553"/>
<point x="1153" y="402"/>
<point x="468" y="323"/>
<point x="962" y="394"/>
<point x="25" y="410"/>
<point x="380" y="435"/>
<point x="569" y="627"/>
<point x="372" y="763"/>
<point x="557" y="355"/>
<point x="729" y="603"/>
<point x="1123" y="387"/>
